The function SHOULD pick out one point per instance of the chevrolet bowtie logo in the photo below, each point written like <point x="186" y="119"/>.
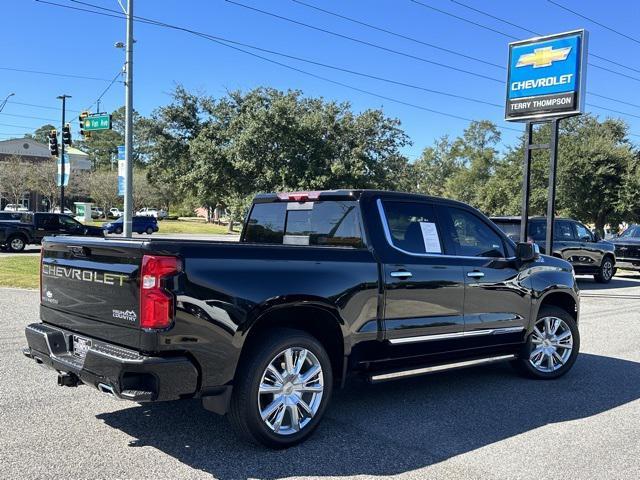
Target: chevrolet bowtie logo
<point x="543" y="57"/>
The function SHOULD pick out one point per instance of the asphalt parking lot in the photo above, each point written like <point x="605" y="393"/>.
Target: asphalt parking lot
<point x="478" y="423"/>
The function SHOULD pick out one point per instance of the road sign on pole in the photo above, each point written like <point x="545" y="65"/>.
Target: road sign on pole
<point x="97" y="122"/>
<point x="67" y="170"/>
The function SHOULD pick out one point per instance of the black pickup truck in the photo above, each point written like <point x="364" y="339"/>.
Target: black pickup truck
<point x="33" y="227"/>
<point x="322" y="286"/>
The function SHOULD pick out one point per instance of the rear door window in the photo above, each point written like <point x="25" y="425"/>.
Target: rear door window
<point x="412" y="227"/>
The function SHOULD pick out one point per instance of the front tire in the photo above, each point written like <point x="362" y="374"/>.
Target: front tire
<point x="149" y="230"/>
<point x="606" y="272"/>
<point x="118" y="230"/>
<point x="553" y="346"/>
<point x="282" y="389"/>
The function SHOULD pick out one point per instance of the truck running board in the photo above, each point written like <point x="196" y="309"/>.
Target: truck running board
<point x="384" y="377"/>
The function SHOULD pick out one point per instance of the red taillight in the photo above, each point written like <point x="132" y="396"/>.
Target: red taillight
<point x="156" y="303"/>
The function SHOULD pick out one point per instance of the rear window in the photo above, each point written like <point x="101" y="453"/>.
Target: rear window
<point x="328" y="223"/>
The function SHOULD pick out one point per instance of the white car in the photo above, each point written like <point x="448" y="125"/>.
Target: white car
<point x="152" y="212"/>
<point x="66" y="211"/>
<point x="12" y="207"/>
<point x="115" y="212"/>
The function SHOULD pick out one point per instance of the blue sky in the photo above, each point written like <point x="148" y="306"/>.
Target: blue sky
<point x="37" y="36"/>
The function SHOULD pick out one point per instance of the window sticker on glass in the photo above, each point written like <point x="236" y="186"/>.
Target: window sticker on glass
<point x="295" y="240"/>
<point x="430" y="237"/>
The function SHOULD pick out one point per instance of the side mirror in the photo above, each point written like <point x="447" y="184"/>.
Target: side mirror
<point x="596" y="236"/>
<point x="527" y="252"/>
<point x="587" y="238"/>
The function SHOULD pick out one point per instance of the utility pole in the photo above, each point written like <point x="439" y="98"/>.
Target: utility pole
<point x="128" y="130"/>
<point x="64" y="102"/>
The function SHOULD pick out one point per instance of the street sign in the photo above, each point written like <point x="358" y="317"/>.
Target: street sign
<point x="97" y="122"/>
<point x="67" y="171"/>
<point x="121" y="170"/>
<point x="546" y="76"/>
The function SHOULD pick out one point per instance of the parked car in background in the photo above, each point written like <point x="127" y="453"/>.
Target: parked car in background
<point x="572" y="241"/>
<point x="627" y="246"/>
<point x="152" y="212"/>
<point x="8" y="216"/>
<point x="138" y="224"/>
<point x="66" y="211"/>
<point x="33" y="227"/>
<point x="12" y="207"/>
<point x="96" y="212"/>
<point x="114" y="212"/>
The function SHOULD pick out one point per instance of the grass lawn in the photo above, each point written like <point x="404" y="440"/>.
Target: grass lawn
<point x="20" y="271"/>
<point x="198" y="226"/>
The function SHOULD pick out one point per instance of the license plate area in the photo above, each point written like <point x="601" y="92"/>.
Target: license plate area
<point x="80" y="346"/>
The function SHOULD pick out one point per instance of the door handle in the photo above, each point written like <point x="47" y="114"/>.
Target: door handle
<point x="475" y="274"/>
<point x="401" y="274"/>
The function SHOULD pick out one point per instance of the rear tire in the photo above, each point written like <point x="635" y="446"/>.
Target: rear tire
<point x="271" y="403"/>
<point x="16" y="243"/>
<point x="149" y="230"/>
<point x="606" y="272"/>
<point x="553" y="346"/>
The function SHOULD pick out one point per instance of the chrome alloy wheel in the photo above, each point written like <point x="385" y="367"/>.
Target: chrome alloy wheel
<point x="552" y="344"/>
<point x="290" y="390"/>
<point x="17" y="244"/>
<point x="607" y="270"/>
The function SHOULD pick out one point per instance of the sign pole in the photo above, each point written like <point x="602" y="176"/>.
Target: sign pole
<point x="526" y="184"/>
<point x="551" y="195"/>
<point x="128" y="135"/>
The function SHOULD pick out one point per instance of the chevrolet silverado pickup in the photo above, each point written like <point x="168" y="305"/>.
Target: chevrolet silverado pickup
<point x="322" y="286"/>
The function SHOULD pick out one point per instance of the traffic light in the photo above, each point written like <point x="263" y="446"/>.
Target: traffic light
<point x="81" y="119"/>
<point x="66" y="134"/>
<point x="53" y="142"/>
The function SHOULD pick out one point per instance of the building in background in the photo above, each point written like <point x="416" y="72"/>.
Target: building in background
<point x="34" y="152"/>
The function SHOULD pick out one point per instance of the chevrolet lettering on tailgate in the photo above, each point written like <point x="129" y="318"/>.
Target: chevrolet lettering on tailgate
<point x="83" y="275"/>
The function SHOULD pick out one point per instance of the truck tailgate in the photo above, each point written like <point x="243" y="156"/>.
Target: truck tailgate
<point x="91" y="287"/>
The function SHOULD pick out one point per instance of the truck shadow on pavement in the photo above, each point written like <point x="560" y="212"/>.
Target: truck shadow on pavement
<point x="628" y="281"/>
<point x="390" y="428"/>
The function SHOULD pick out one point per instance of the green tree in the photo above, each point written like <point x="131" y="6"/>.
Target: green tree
<point x="41" y="134"/>
<point x="436" y="164"/>
<point x="103" y="188"/>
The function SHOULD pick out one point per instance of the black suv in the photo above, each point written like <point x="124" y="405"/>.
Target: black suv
<point x="627" y="246"/>
<point x="573" y="241"/>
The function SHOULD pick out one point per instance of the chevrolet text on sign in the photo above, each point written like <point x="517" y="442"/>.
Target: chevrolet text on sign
<point x="546" y="76"/>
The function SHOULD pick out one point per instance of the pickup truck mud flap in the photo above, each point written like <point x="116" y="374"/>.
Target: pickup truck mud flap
<point x="123" y="373"/>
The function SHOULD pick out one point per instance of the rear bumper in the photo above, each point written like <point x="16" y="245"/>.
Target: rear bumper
<point x="124" y="373"/>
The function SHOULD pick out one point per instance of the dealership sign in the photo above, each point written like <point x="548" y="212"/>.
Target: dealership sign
<point x="546" y="76"/>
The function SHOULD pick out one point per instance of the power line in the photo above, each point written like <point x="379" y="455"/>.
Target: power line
<point x="104" y="91"/>
<point x="27" y="116"/>
<point x="507" y="22"/>
<point x="284" y="65"/>
<point x="225" y="42"/>
<point x="364" y="42"/>
<point x="54" y="74"/>
<point x="39" y="106"/>
<point x="399" y="35"/>
<point x="617" y="32"/>
<point x="313" y="62"/>
<point x="444" y="12"/>
<point x="450" y="51"/>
